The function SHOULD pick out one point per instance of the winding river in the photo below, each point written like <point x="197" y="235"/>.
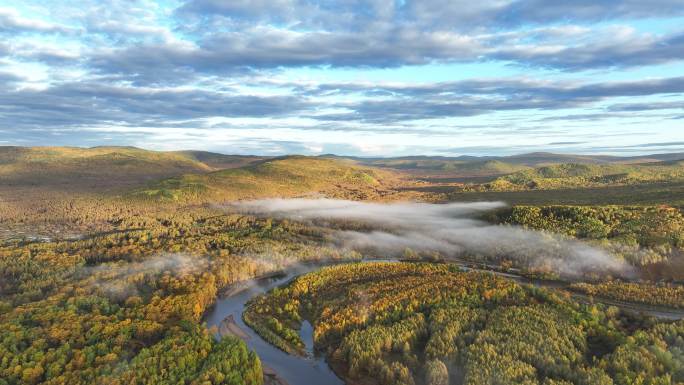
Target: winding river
<point x="294" y="370"/>
<point x="313" y="369"/>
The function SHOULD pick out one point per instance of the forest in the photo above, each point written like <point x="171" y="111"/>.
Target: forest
<point x="419" y="323"/>
<point x="111" y="259"/>
<point x="127" y="307"/>
<point x="341" y="192"/>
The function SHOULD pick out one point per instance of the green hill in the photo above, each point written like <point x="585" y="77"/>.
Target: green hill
<point x="537" y="159"/>
<point x="417" y="163"/>
<point x="291" y="176"/>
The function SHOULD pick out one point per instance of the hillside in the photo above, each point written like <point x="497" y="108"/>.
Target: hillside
<point x="449" y="165"/>
<point x="102" y="168"/>
<point x="546" y="158"/>
<point x="574" y="175"/>
<point x="534" y="159"/>
<point x="280" y="177"/>
<point x="452" y="171"/>
<point x="220" y="161"/>
<point x="486" y="166"/>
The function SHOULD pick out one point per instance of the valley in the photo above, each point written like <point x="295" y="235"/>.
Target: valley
<point x="118" y="282"/>
<point x="298" y="192"/>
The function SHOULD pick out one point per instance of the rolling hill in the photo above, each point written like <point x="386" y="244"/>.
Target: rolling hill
<point x="450" y="171"/>
<point x="102" y="168"/>
<point x="29" y="173"/>
<point x="534" y="159"/>
<point x="476" y="165"/>
<point x="220" y="161"/>
<point x="575" y="175"/>
<point x="291" y="176"/>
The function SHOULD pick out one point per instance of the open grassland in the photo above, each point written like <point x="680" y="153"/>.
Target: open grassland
<point x="405" y="323"/>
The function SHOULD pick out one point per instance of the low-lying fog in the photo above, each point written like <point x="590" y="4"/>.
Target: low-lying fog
<point x="451" y="230"/>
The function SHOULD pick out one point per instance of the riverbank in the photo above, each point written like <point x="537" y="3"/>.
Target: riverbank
<point x="279" y="367"/>
<point x="230" y="327"/>
<point x="282" y="368"/>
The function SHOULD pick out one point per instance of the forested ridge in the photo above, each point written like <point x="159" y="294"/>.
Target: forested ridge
<point x="646" y="226"/>
<point x="568" y="175"/>
<point x="648" y="293"/>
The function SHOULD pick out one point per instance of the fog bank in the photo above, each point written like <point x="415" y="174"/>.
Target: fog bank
<point x="452" y="230"/>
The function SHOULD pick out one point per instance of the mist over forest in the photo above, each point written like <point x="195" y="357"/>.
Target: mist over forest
<point x="341" y="192"/>
<point x="452" y="230"/>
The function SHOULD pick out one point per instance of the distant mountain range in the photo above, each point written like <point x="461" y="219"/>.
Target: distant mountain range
<point x="532" y="159"/>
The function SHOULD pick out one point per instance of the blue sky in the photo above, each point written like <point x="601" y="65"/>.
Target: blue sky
<point x="374" y="78"/>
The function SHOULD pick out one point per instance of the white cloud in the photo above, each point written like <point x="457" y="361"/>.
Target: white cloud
<point x="191" y="71"/>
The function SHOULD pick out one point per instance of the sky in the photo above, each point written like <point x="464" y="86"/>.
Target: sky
<point x="350" y="77"/>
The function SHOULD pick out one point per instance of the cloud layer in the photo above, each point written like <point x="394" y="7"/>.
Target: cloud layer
<point x="184" y="73"/>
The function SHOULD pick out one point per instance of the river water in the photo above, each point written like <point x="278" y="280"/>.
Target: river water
<point x="295" y="370"/>
<point x="313" y="369"/>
